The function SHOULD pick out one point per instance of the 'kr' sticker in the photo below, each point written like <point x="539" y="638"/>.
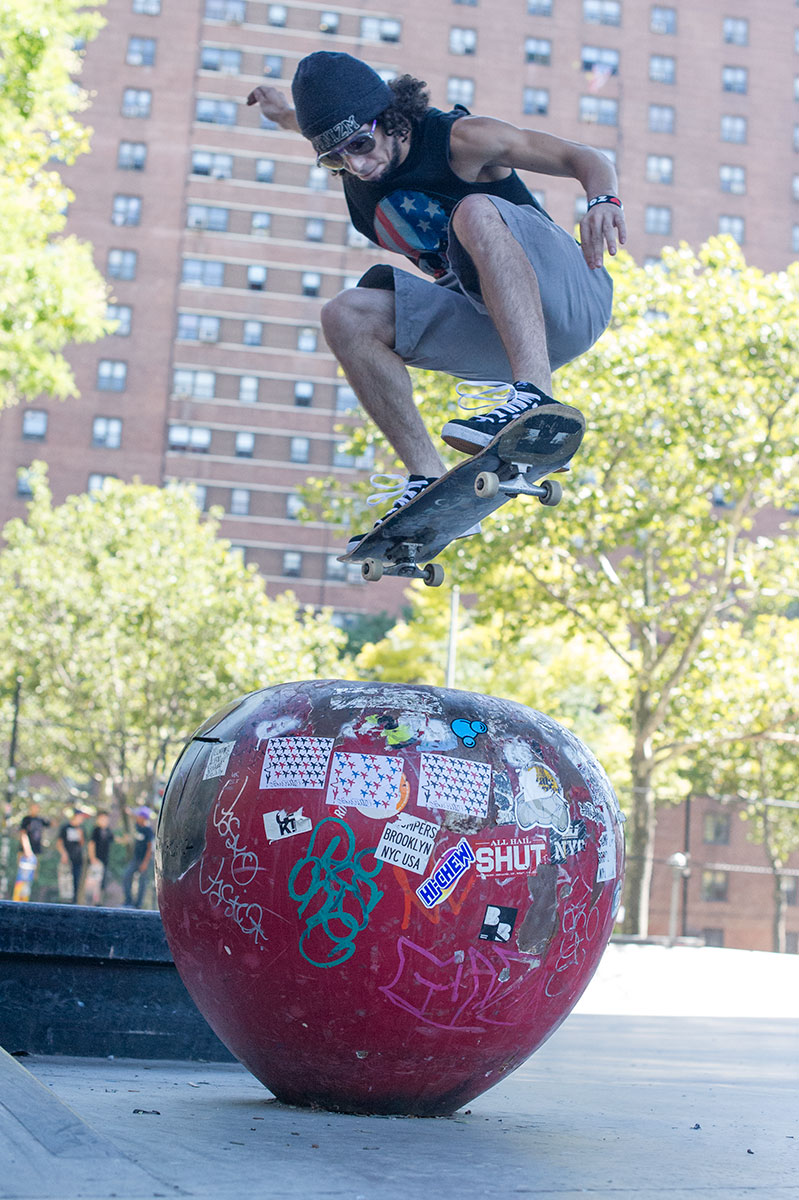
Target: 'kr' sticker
<point x="498" y="923"/>
<point x="296" y="762"/>
<point x="282" y="824"/>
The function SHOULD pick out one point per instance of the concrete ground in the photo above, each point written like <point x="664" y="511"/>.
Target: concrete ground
<point x="658" y="1103"/>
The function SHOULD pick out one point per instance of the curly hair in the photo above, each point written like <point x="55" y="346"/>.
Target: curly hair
<point x="411" y="102"/>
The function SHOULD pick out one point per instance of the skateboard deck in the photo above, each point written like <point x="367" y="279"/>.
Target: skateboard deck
<point x="26" y="871"/>
<point x="66" y="885"/>
<point x="407" y="542"/>
<point x="94" y="883"/>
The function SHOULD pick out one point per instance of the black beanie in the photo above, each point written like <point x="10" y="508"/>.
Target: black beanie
<point x="334" y="95"/>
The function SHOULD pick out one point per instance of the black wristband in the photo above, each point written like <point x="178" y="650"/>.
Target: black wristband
<point x="605" y="200"/>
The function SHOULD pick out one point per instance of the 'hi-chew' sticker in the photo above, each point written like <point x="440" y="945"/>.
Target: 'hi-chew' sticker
<point x="446" y="874"/>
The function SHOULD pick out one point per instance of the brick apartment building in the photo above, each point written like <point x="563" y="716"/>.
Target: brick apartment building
<point x="728" y="897"/>
<point x="221" y="239"/>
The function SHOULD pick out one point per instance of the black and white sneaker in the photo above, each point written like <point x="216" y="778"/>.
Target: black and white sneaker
<point x="405" y="488"/>
<point x="561" y="428"/>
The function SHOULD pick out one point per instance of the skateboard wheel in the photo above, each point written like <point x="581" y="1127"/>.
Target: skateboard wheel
<point x="372" y="569"/>
<point x="486" y="485"/>
<point x="433" y="574"/>
<point x="553" y="493"/>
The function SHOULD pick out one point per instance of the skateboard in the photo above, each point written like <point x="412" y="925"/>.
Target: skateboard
<point x="93" y="886"/>
<point x="26" y="871"/>
<point x="66" y="884"/>
<point x="509" y="466"/>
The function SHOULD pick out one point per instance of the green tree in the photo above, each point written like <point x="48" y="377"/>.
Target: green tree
<point x="689" y="461"/>
<point x="131" y="622"/>
<point x="50" y="292"/>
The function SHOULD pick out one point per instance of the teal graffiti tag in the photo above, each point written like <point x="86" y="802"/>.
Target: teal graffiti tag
<point x="336" y="893"/>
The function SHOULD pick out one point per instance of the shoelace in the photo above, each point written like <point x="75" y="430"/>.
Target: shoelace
<point x="496" y="399"/>
<point x="388" y="486"/>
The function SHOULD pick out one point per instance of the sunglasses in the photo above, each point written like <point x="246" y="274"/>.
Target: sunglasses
<point x="359" y="143"/>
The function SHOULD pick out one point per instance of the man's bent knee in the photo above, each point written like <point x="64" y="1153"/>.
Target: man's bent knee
<point x="356" y="312"/>
<point x="474" y="216"/>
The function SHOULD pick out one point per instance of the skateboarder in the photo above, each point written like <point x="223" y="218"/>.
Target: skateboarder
<point x="511" y="297"/>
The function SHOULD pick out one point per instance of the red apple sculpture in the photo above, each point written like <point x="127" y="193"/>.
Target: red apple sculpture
<point x="384" y="898"/>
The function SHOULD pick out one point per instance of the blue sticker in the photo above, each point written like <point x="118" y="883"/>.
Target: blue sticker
<point x="468" y="731"/>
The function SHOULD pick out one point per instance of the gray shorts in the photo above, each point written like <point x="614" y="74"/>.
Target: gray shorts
<point x="444" y="325"/>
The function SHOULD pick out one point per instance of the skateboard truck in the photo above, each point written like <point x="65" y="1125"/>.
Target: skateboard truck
<point x="432" y="573"/>
<point x="489" y="484"/>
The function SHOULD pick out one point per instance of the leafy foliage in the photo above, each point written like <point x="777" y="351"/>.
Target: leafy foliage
<point x="50" y="293"/>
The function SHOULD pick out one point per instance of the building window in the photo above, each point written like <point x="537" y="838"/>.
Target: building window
<point x="292" y="563"/>
<point x="233" y="11"/>
<point x="602" y="12"/>
<point x="248" y="389"/>
<point x="122" y="264"/>
<point x="735" y="227"/>
<point x="735" y="31"/>
<point x="194" y="438"/>
<point x="795" y="238"/>
<point x="107" y="433"/>
<point x="218" y="166"/>
<point x="206" y="216"/>
<point x="356" y="239"/>
<point x="335" y="570"/>
<point x="539" y="8"/>
<point x="790" y="890"/>
<point x="346" y="400"/>
<point x="662" y="68"/>
<point x="149" y="8"/>
<point x="132" y="156"/>
<point x="716" y="829"/>
<point x="112" y="375"/>
<point x="462" y="41"/>
<point x="141" y="52"/>
<point x="193" y="327"/>
<point x="661" y="118"/>
<point x="201" y="385"/>
<point x="735" y="79"/>
<point x="199" y="494"/>
<point x="201" y="271"/>
<point x="96" y="482"/>
<point x="256" y="278"/>
<point x="216" y="112"/>
<point x="273" y="66"/>
<point x="294" y="506"/>
<point x="136" y="102"/>
<point x="314" y="229"/>
<point x="214" y="58"/>
<point x="307" y="339"/>
<point x="662" y="19"/>
<point x="714" y="886"/>
<point x="342" y="457"/>
<point x="239" y="502"/>
<point x="535" y="101"/>
<point x="303" y="393"/>
<point x="732" y="179"/>
<point x="460" y="90"/>
<point x="599" y="60"/>
<point x="126" y="210"/>
<point x="252" y="333"/>
<point x="34" y="424"/>
<point x="659" y="168"/>
<point x="714" y="937"/>
<point x="277" y="15"/>
<point x="733" y="129"/>
<point x="311" y="283"/>
<point x="299" y="449"/>
<point x="261" y="222"/>
<point x="328" y="22"/>
<point x="245" y="444"/>
<point x="380" y="29"/>
<point x="538" y="50"/>
<point x="265" y="170"/>
<point x="123" y="315"/>
<point x="657" y="219"/>
<point x="318" y="179"/>
<point x="599" y="110"/>
<point x="24" y="488"/>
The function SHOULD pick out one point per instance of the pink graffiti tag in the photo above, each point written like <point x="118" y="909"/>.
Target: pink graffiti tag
<point x="457" y="992"/>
